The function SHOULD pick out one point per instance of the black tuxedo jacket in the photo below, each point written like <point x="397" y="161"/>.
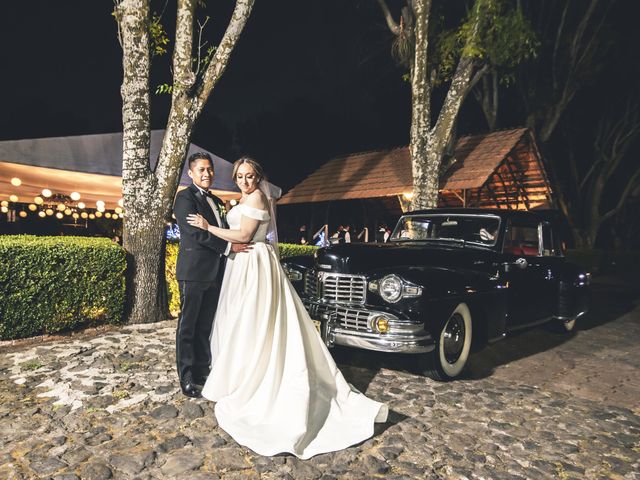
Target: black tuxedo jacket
<point x="201" y="255"/>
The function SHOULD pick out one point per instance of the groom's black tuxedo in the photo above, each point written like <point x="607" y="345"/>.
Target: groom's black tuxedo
<point x="199" y="270"/>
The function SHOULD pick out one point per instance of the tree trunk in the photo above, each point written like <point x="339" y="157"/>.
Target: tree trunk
<point x="148" y="194"/>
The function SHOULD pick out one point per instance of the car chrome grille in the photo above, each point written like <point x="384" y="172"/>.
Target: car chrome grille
<point x="311" y="284"/>
<point x="335" y="287"/>
<point x="344" y="288"/>
<point x="350" y="318"/>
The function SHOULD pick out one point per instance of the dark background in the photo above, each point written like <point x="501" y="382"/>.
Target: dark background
<point x="307" y="81"/>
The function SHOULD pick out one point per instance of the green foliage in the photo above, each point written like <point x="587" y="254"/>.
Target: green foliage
<point x="173" y="291"/>
<point x="164" y="88"/>
<point x="505" y="38"/>
<point x="292" y="249"/>
<point x="51" y="284"/>
<point x="158" y="36"/>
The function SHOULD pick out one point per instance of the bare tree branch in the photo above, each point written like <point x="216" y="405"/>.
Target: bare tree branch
<point x="183" y="75"/>
<point x="393" y="26"/>
<point x="218" y="64"/>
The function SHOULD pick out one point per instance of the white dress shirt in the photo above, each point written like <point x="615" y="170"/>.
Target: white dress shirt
<point x="216" y="213"/>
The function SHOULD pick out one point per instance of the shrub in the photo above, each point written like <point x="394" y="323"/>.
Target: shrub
<point x="51" y="284"/>
<point x="173" y="291"/>
<point x="291" y="249"/>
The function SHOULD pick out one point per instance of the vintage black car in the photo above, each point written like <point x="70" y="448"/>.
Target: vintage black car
<point x="447" y="278"/>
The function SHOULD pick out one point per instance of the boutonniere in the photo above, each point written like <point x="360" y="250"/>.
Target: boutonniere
<point x="222" y="210"/>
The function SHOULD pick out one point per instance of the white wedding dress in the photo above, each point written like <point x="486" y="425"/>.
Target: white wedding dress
<point x="276" y="386"/>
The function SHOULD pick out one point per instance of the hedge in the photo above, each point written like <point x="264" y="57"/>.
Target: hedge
<point x="286" y="250"/>
<point x="51" y="284"/>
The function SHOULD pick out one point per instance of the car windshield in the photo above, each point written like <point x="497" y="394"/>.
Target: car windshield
<point x="476" y="229"/>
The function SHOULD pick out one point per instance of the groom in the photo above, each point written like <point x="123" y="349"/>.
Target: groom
<point x="199" y="271"/>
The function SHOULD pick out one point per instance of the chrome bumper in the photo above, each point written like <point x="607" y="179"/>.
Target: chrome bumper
<point x="403" y="336"/>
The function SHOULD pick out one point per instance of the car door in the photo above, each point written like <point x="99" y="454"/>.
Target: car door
<point x="529" y="274"/>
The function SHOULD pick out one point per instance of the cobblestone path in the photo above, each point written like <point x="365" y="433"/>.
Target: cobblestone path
<point x="105" y="404"/>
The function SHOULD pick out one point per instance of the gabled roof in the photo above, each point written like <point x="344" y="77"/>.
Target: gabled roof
<point x="388" y="172"/>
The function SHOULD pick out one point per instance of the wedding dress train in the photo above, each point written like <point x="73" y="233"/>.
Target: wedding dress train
<point x="276" y="385"/>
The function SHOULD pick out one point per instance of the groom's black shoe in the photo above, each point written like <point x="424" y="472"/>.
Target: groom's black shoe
<point x="190" y="389"/>
<point x="200" y="380"/>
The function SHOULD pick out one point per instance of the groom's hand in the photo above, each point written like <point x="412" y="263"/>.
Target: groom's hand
<point x="241" y="247"/>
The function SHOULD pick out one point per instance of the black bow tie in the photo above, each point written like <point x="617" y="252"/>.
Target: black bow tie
<point x="204" y="193"/>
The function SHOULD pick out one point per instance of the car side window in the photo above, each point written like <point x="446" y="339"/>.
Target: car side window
<point x="549" y="242"/>
<point x="521" y="238"/>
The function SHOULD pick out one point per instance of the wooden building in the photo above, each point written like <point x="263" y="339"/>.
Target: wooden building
<point x="501" y="169"/>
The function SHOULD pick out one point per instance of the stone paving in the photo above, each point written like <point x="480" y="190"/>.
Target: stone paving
<point x="105" y="404"/>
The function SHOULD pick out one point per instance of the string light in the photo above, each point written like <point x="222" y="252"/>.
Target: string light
<point x="41" y="214"/>
<point x="16" y="182"/>
<point x="38" y="200"/>
<point x="59" y="216"/>
<point x="23" y="214"/>
<point x="75" y="196"/>
<point x="81" y="205"/>
<point x="32" y="207"/>
<point x="46" y="193"/>
<point x="14" y="198"/>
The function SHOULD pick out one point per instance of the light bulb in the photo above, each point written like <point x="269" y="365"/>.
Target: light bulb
<point x="46" y="193"/>
<point x="75" y="196"/>
<point x="16" y="182"/>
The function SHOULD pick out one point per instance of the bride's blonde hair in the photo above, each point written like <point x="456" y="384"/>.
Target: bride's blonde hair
<point x="249" y="161"/>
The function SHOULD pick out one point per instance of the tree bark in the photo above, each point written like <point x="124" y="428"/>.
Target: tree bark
<point x="428" y="144"/>
<point x="148" y="194"/>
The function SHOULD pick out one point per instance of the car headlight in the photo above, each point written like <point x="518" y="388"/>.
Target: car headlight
<point x="293" y="274"/>
<point x="390" y="288"/>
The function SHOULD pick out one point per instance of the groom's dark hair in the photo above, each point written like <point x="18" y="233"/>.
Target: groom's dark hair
<point x="200" y="156"/>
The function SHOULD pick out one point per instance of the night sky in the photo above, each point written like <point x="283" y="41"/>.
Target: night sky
<point x="307" y="81"/>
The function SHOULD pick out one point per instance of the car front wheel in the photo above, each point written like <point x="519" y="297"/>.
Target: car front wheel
<point x="448" y="359"/>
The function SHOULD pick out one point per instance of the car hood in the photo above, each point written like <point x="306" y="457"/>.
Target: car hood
<point x="366" y="257"/>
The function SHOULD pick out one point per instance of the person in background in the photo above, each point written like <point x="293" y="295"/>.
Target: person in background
<point x="303" y="235"/>
<point x="387" y="234"/>
<point x="347" y="234"/>
<point x="341" y="234"/>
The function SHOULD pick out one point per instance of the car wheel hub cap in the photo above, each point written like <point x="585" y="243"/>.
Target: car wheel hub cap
<point x="454" y="338"/>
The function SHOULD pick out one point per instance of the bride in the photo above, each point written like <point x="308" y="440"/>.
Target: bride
<point x="276" y="386"/>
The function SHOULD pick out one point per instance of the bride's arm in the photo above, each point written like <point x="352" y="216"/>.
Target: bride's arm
<point x="248" y="226"/>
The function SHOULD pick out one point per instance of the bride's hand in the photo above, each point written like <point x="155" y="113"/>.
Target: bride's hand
<point x="197" y="220"/>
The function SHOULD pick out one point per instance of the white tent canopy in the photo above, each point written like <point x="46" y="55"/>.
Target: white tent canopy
<point x="90" y="165"/>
